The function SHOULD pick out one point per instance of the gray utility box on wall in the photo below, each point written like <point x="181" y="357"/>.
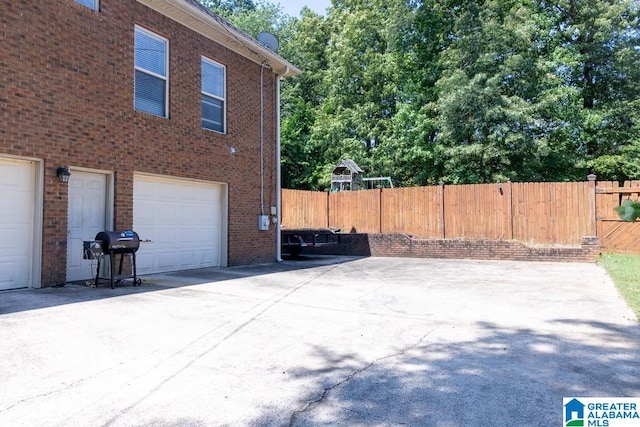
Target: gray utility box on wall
<point x="263" y="222"/>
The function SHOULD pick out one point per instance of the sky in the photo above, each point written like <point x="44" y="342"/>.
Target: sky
<point x="293" y="7"/>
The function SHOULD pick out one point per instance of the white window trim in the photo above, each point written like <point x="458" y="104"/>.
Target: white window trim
<point x="151" y="73"/>
<point x="224" y="93"/>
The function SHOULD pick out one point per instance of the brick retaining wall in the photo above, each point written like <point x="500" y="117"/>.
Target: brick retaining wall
<point x="402" y="245"/>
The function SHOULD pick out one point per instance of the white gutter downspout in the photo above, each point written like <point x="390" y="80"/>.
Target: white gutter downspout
<point x="278" y="175"/>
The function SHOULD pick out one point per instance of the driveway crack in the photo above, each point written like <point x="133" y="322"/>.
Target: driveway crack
<point x="325" y="393"/>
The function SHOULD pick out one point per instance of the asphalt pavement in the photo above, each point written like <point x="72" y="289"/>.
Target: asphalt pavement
<point x="320" y="341"/>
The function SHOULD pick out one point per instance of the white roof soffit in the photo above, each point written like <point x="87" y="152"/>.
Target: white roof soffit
<point x="192" y="15"/>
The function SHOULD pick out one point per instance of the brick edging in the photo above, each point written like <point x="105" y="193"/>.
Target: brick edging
<point x="403" y="245"/>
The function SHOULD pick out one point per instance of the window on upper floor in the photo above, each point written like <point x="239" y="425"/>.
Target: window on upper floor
<point x="151" y="72"/>
<point x="213" y="95"/>
<point x="93" y="4"/>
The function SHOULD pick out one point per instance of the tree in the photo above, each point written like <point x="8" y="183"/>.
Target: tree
<point x="301" y="98"/>
<point x="538" y="91"/>
<point x="420" y="34"/>
<point x="228" y="7"/>
<point x="362" y="84"/>
<point x="599" y="44"/>
<point x="486" y="117"/>
<point x="458" y="91"/>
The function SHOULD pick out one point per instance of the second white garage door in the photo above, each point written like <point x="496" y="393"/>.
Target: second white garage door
<point x="180" y="224"/>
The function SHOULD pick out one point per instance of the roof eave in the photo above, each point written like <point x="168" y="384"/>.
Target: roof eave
<point x="222" y="32"/>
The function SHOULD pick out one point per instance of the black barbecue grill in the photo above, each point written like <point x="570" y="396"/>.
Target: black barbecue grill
<point x="124" y="243"/>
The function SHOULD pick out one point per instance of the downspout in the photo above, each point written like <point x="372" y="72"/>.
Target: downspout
<point x="278" y="176"/>
<point x="262" y="139"/>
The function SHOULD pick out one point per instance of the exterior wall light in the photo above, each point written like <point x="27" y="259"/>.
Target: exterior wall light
<point x="63" y="174"/>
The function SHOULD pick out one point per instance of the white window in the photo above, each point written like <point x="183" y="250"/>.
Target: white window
<point x="93" y="4"/>
<point x="213" y="95"/>
<point x="151" y="72"/>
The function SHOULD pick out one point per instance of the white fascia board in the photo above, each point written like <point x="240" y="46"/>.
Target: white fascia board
<point x="194" y="17"/>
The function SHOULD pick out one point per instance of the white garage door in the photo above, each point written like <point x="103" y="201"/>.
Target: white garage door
<point x="17" y="204"/>
<point x="179" y="222"/>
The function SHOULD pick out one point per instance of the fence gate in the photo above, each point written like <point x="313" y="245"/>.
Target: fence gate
<point x="614" y="234"/>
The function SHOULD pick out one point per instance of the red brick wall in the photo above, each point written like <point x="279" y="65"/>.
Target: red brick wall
<point x="66" y="96"/>
<point x="402" y="245"/>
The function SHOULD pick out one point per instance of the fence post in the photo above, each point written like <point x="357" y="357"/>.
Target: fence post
<point x="592" y="204"/>
<point x="328" y="211"/>
<point x="442" y="225"/>
<point x="511" y="218"/>
<point x="380" y="210"/>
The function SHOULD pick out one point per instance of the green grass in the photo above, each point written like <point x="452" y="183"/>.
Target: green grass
<point x="624" y="270"/>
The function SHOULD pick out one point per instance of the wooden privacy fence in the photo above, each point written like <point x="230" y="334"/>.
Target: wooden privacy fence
<point x="536" y="213"/>
<point x="616" y="235"/>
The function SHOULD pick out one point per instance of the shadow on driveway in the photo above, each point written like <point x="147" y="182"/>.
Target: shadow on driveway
<point x="508" y="377"/>
<point x="322" y="341"/>
<point x="18" y="300"/>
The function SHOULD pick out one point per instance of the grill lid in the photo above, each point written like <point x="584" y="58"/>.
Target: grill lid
<point x="119" y="241"/>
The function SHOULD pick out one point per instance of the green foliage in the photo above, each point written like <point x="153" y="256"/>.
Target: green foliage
<point x="253" y="17"/>
<point x="623" y="270"/>
<point x="228" y="7"/>
<point x="457" y="91"/>
<point x="629" y="210"/>
<point x="361" y="84"/>
<point x="303" y="159"/>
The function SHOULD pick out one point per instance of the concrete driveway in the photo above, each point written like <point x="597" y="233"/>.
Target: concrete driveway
<point x="320" y="341"/>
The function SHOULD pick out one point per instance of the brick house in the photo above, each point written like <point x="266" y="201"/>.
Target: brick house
<point x="166" y="118"/>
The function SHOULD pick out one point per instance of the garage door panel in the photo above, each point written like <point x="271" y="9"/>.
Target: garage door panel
<point x="17" y="205"/>
<point x="15" y="272"/>
<point x="9" y="244"/>
<point x="197" y="259"/>
<point x="183" y="221"/>
<point x="14" y="253"/>
<point x="144" y="211"/>
<point x="191" y="213"/>
<point x="204" y="255"/>
<point x="206" y="237"/>
<point x="143" y="257"/>
<point x="166" y="260"/>
<point x="13" y="210"/>
<point x="15" y="176"/>
<point x="164" y="237"/>
<point x="167" y="212"/>
<point x="188" y="260"/>
<point x="197" y="195"/>
<point x="202" y="237"/>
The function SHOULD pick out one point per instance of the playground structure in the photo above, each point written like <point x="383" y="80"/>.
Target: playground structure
<point x="347" y="176"/>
